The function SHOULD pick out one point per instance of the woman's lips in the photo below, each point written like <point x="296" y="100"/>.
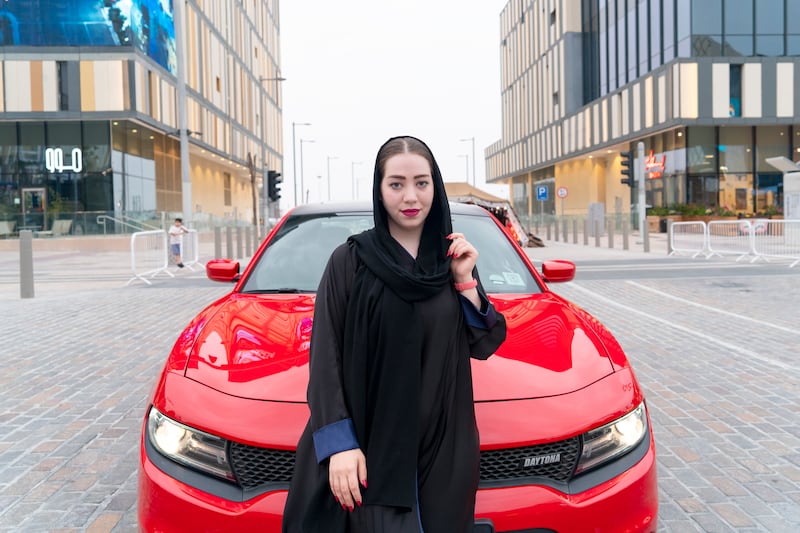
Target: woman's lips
<point x="410" y="212"/>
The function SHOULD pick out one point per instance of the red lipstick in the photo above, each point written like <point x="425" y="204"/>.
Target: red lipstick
<point x="410" y="212"/>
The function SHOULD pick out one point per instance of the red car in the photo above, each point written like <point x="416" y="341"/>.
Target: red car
<point x="566" y="442"/>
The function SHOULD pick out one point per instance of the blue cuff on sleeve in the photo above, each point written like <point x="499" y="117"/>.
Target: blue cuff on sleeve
<point x="334" y="438"/>
<point x="484" y="318"/>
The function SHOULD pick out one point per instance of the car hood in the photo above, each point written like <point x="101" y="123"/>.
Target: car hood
<point x="256" y="346"/>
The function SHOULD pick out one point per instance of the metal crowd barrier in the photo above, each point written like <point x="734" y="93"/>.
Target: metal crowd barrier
<point x="190" y="251"/>
<point x="688" y="238"/>
<point x="730" y="237"/>
<point x="758" y="239"/>
<point x="149" y="255"/>
<point x="778" y="239"/>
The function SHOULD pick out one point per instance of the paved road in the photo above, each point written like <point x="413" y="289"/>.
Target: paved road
<point x="716" y="354"/>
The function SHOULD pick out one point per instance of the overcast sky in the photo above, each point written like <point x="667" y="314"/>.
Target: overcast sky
<point x="361" y="71"/>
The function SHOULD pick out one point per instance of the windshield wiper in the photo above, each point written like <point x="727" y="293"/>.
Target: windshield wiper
<point x="282" y="290"/>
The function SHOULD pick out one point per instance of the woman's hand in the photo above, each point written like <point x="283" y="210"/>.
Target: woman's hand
<point x="347" y="472"/>
<point x="464" y="257"/>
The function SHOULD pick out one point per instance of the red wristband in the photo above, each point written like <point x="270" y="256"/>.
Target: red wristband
<point x="466" y="285"/>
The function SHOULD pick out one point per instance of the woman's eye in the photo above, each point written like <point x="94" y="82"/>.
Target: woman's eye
<point x="422" y="184"/>
<point x="396" y="185"/>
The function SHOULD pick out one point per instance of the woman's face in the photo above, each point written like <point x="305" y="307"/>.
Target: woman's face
<point x="407" y="191"/>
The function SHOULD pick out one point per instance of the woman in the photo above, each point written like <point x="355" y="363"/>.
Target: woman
<point x="392" y="443"/>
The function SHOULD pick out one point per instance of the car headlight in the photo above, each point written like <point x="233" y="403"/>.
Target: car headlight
<point x="612" y="440"/>
<point x="189" y="446"/>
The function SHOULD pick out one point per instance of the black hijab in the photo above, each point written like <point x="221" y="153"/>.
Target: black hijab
<point x="383" y="341"/>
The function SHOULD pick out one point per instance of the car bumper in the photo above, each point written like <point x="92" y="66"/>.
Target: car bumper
<point x="627" y="502"/>
<point x="168" y="505"/>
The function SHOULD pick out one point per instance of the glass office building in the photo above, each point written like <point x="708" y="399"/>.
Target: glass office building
<point x="91" y="104"/>
<point x="709" y="87"/>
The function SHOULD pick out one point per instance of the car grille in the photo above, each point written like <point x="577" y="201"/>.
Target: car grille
<point x="254" y="466"/>
<point x="556" y="461"/>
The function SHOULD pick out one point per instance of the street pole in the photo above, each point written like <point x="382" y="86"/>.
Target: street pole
<point x="302" y="181"/>
<point x="472" y="140"/>
<point x="186" y="178"/>
<point x="353" y="176"/>
<point x="264" y="169"/>
<point x="638" y="173"/>
<point x="466" y="166"/>
<point x="329" y="175"/>
<point x="297" y="198"/>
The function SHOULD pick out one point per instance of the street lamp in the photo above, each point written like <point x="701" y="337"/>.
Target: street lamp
<point x="466" y="165"/>
<point x="302" y="183"/>
<point x="294" y="163"/>
<point x="329" y="175"/>
<point x="261" y="80"/>
<point x="353" y="176"/>
<point x="472" y="139"/>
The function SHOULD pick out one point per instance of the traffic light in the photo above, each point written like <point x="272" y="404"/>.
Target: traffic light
<point x="627" y="168"/>
<point x="274" y="185"/>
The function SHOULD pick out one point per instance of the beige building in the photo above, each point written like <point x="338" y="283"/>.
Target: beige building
<point x="709" y="88"/>
<point x="96" y="96"/>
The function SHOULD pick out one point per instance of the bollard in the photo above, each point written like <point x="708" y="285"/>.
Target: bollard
<point x="548" y="232"/>
<point x="239" y="253"/>
<point x="610" y="225"/>
<point x="555" y="230"/>
<point x="586" y="232"/>
<point x="229" y="242"/>
<point x="669" y="237"/>
<point x="248" y="240"/>
<point x="574" y="231"/>
<point x="26" y="264"/>
<point x="217" y="242"/>
<point x="624" y="234"/>
<point x="646" y="238"/>
<point x="564" y="232"/>
<point x="597" y="234"/>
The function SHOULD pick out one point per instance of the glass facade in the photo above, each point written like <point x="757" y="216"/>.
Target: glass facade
<point x="721" y="166"/>
<point x="81" y="169"/>
<point x="625" y="39"/>
<point x="146" y="25"/>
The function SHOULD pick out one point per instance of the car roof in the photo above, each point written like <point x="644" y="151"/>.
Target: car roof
<point x="366" y="207"/>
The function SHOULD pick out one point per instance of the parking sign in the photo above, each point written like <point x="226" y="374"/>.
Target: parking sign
<point x="541" y="192"/>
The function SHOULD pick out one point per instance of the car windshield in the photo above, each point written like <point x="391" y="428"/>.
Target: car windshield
<point x="297" y="255"/>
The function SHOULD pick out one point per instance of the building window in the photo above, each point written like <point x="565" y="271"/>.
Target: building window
<point x="553" y="17"/>
<point x="63" y="85"/>
<point x="227" y="187"/>
<point x="735" y="108"/>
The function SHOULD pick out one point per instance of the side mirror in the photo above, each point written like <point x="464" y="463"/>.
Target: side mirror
<point x="224" y="270"/>
<point x="558" y="270"/>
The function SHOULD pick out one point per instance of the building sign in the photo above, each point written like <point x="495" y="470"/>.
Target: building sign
<point x="54" y="160"/>
<point x="147" y="25"/>
<point x="654" y="167"/>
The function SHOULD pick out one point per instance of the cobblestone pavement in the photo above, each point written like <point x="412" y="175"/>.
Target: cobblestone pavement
<point x="716" y="357"/>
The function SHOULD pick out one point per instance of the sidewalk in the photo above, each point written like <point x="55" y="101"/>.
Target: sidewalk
<point x="59" y="271"/>
<point x="571" y="251"/>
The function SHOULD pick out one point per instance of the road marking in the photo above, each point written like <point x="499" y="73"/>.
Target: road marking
<point x="709" y="308"/>
<point x="743" y="351"/>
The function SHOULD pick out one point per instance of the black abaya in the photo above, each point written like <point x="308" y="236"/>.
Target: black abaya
<point x="447" y="464"/>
